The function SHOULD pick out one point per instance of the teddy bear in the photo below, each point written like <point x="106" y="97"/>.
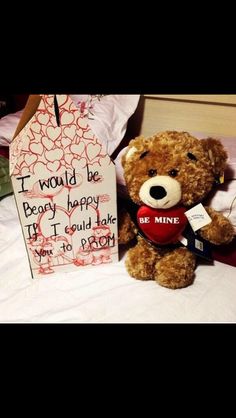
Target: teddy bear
<point x="166" y="175"/>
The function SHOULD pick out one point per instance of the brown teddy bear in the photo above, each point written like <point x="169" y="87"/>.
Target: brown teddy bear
<point x="166" y="175"/>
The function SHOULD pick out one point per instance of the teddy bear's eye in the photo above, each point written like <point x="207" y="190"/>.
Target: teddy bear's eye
<point x="152" y="173"/>
<point x="143" y="155"/>
<point x="173" y="173"/>
<point x="191" y="156"/>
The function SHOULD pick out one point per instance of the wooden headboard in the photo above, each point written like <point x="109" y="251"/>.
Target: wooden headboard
<point x="211" y="114"/>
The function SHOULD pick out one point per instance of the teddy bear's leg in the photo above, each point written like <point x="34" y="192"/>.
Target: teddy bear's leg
<point x="141" y="260"/>
<point x="176" y="269"/>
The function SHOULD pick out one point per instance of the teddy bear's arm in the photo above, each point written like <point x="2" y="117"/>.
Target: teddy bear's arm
<point x="126" y="227"/>
<point x="219" y="231"/>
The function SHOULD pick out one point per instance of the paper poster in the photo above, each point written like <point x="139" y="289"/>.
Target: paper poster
<point x="65" y="188"/>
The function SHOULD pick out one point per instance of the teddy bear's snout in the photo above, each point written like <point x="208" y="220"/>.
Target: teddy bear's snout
<point x="160" y="192"/>
<point x="157" y="192"/>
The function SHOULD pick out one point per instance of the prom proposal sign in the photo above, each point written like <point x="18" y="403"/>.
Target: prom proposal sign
<point x="65" y="188"/>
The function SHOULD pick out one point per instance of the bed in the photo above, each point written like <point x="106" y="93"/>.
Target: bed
<point x="111" y="295"/>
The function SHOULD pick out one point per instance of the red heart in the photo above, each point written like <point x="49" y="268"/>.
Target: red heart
<point x="162" y="226"/>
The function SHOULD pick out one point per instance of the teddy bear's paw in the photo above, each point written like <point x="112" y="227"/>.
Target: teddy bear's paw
<point x="219" y="231"/>
<point x="140" y="262"/>
<point x="176" y="269"/>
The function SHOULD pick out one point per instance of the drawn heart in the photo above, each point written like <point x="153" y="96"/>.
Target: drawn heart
<point x="43" y="118"/>
<point x="47" y="143"/>
<point x="69" y="131"/>
<point x="77" y="148"/>
<point x="49" y="99"/>
<point x="36" y="127"/>
<point x="93" y="150"/>
<point x="68" y="158"/>
<point x="36" y="148"/>
<point x="79" y="164"/>
<point x="62" y="99"/>
<point x="65" y="142"/>
<point x="53" y="132"/>
<point x="54" y="155"/>
<point x="89" y="135"/>
<point x="82" y="123"/>
<point x="53" y="166"/>
<point x="40" y="169"/>
<point x="162" y="226"/>
<point x="30" y="159"/>
<point x="79" y="133"/>
<point x="67" y="118"/>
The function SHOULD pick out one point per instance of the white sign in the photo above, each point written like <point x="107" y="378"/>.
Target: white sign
<point x="65" y="188"/>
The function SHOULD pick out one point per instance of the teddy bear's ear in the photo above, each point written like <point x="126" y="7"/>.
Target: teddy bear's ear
<point x="131" y="151"/>
<point x="217" y="155"/>
<point x="127" y="156"/>
<point x="136" y="146"/>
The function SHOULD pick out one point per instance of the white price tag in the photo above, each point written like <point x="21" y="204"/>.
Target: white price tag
<point x="198" y="217"/>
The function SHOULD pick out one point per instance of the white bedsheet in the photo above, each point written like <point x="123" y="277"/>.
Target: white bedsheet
<point x="104" y="294"/>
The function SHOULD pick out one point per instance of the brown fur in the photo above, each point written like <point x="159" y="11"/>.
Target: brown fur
<point x="126" y="227"/>
<point x="168" y="151"/>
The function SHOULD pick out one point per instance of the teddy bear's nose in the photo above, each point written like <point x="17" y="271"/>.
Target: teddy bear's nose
<point x="157" y="192"/>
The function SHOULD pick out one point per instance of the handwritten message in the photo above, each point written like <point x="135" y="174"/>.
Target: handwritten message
<point x="61" y="221"/>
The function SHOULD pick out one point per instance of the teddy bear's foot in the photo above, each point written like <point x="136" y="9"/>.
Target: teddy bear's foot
<point x="176" y="269"/>
<point x="141" y="260"/>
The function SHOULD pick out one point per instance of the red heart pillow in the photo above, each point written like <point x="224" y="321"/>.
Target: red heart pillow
<point x="162" y="226"/>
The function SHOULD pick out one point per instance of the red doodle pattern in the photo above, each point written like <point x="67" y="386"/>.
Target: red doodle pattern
<point x="43" y="144"/>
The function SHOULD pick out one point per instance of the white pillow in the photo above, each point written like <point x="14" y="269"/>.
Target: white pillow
<point x="107" y="116"/>
<point x="8" y="126"/>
